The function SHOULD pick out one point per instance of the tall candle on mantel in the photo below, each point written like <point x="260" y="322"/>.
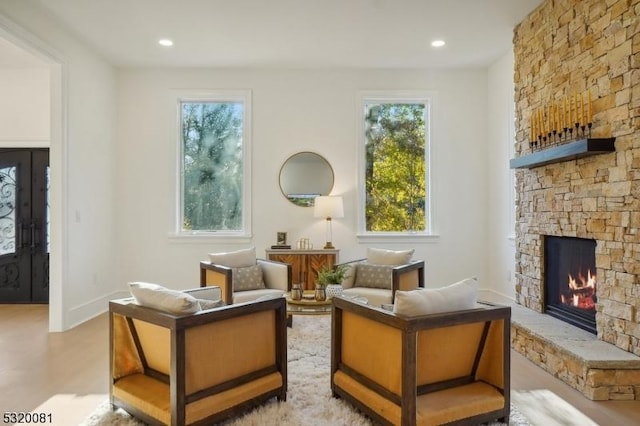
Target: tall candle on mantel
<point x="532" y="128"/>
<point x="589" y="111"/>
<point x="581" y="110"/>
<point x="567" y="114"/>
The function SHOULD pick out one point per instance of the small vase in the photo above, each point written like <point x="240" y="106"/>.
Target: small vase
<point x="333" y="290"/>
<point x="296" y="292"/>
<point x="321" y="293"/>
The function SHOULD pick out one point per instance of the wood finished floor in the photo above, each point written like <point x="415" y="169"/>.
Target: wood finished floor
<point x="67" y="369"/>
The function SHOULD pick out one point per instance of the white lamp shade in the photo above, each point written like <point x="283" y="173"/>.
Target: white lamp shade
<point x="328" y="207"/>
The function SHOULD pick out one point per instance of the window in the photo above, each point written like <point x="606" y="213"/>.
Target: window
<point x="394" y="170"/>
<point x="215" y="164"/>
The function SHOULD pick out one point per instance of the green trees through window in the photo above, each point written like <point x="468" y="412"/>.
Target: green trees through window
<point x="212" y="145"/>
<point x="395" y="167"/>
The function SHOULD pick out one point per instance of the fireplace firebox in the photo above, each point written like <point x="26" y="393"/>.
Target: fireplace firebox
<point x="570" y="280"/>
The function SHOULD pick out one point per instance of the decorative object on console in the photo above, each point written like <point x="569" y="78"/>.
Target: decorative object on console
<point x="281" y="241"/>
<point x="329" y="207"/>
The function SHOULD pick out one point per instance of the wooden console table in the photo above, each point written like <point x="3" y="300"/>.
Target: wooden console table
<point x="305" y="264"/>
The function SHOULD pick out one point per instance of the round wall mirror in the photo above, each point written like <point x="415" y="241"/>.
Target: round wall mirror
<point x="304" y="176"/>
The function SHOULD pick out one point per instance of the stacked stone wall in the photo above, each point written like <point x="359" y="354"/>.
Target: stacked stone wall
<point x="562" y="48"/>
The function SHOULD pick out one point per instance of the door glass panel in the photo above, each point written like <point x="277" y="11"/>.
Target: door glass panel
<point x="7" y="210"/>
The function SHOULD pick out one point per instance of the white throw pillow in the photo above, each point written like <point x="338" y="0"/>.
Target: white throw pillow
<point x="377" y="256"/>
<point x="455" y="297"/>
<point x="157" y="297"/>
<point x="235" y="259"/>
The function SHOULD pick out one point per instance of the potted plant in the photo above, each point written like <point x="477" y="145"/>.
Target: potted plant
<point x="329" y="281"/>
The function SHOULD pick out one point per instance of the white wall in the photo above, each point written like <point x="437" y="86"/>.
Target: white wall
<point x="297" y="110"/>
<point x="24" y="107"/>
<point x="83" y="90"/>
<point x="501" y="204"/>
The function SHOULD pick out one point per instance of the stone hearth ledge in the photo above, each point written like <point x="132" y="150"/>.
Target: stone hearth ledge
<point x="597" y="369"/>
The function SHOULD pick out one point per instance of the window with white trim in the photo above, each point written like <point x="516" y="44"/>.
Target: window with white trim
<point x="215" y="163"/>
<point x="394" y="164"/>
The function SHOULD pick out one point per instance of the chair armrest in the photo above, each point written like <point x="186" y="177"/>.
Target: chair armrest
<point x="407" y="277"/>
<point x="276" y="274"/>
<point x="212" y="274"/>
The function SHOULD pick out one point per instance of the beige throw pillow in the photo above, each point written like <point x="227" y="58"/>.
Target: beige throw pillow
<point x="455" y="297"/>
<point x="235" y="259"/>
<point x="163" y="299"/>
<point x="249" y="278"/>
<point x="377" y="256"/>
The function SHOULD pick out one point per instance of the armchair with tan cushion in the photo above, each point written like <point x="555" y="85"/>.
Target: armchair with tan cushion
<point x="242" y="277"/>
<point x="381" y="274"/>
<point x="450" y="367"/>
<point x="184" y="369"/>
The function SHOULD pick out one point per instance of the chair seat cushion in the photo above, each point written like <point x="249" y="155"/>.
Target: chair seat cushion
<point x="149" y="395"/>
<point x="375" y="296"/>
<point x="251" y="295"/>
<point x="458" y="403"/>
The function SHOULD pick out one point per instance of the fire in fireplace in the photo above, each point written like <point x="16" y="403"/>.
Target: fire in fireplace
<point x="570" y="282"/>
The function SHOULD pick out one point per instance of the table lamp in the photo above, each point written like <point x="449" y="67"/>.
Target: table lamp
<point x="328" y="207"/>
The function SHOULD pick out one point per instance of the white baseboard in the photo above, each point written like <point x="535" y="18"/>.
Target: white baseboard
<point x="494" y="296"/>
<point x="86" y="311"/>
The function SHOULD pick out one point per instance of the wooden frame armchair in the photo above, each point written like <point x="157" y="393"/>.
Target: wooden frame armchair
<point x="194" y="369"/>
<point x="276" y="276"/>
<point x="450" y="368"/>
<point x="403" y="277"/>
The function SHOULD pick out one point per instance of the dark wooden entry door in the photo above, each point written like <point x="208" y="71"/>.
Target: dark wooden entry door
<point x="24" y="223"/>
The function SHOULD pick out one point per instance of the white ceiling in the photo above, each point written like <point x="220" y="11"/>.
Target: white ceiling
<point x="293" y="33"/>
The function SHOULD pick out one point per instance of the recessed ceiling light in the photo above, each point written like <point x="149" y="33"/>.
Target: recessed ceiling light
<point x="437" y="43"/>
<point x="165" y="42"/>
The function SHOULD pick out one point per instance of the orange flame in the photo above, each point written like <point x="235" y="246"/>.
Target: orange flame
<point x="582" y="291"/>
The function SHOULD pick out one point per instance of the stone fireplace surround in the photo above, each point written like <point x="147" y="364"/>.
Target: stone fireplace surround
<point x="562" y="48"/>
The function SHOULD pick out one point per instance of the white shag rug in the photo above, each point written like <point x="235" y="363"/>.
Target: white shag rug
<point x="309" y="400"/>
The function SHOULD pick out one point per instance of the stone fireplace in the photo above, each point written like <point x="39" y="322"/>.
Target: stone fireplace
<point x="563" y="48"/>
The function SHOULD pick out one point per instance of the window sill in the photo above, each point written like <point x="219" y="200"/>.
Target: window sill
<point x="403" y="237"/>
<point x="209" y="237"/>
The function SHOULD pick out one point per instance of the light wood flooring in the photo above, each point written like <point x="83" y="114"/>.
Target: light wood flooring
<point x="67" y="373"/>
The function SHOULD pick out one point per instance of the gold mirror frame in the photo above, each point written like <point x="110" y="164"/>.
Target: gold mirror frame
<point x="304" y="176"/>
